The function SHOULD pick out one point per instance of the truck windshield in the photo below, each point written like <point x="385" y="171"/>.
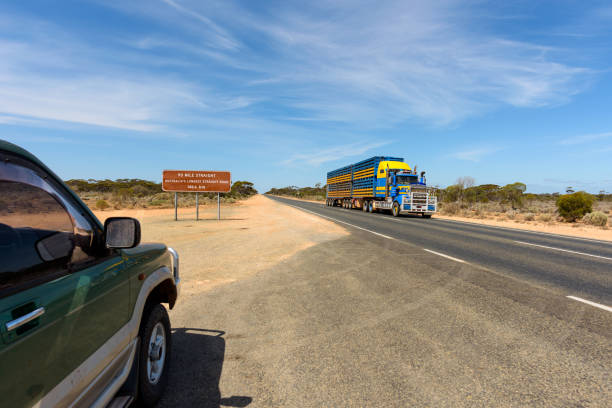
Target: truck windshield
<point x="405" y="179"/>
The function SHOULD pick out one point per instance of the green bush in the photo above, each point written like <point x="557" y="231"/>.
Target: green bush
<point x="574" y="206"/>
<point x="102" y="205"/>
<point x="596" y="218"/>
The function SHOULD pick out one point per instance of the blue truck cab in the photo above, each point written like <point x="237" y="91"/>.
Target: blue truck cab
<point x="381" y="183"/>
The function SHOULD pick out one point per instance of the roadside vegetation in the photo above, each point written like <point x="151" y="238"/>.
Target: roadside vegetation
<point x="136" y="193"/>
<point x="316" y="193"/>
<point x="511" y="203"/>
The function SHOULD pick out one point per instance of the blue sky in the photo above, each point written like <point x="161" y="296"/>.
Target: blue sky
<point x="280" y="92"/>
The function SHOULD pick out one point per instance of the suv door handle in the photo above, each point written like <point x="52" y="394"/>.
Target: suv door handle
<point x="20" y="321"/>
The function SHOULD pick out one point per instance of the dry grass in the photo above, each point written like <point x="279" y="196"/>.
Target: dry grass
<point x="532" y="212"/>
<point x="110" y="201"/>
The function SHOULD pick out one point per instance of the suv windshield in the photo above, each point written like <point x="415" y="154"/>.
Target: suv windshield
<point x="405" y="179"/>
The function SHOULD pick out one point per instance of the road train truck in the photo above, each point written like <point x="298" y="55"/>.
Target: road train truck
<point x="381" y="183"/>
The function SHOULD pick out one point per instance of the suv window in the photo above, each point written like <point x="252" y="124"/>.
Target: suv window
<point x="42" y="237"/>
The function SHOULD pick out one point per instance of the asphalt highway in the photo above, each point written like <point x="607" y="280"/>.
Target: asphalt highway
<point x="576" y="267"/>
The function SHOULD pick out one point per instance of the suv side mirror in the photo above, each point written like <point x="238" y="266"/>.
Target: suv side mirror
<point x="121" y="232"/>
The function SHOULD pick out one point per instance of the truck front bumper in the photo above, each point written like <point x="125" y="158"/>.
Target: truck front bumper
<point x="425" y="204"/>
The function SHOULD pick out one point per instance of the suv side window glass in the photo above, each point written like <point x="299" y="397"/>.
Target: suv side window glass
<point x="41" y="236"/>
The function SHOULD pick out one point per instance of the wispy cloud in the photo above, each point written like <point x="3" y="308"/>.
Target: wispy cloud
<point x="315" y="62"/>
<point x="475" y="155"/>
<point x="317" y="157"/>
<point x="50" y="75"/>
<point x="405" y="60"/>
<point x="580" y="139"/>
<point x="344" y="62"/>
<point x="222" y="38"/>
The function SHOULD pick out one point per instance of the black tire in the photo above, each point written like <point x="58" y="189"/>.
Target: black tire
<point x="426" y="215"/>
<point x="395" y="210"/>
<point x="370" y="207"/>
<point x="149" y="392"/>
<point x="364" y="206"/>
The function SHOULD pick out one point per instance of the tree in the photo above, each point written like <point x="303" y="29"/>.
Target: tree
<point x="465" y="182"/>
<point x="453" y="193"/>
<point x="513" y="193"/>
<point x="242" y="188"/>
<point x="602" y="195"/>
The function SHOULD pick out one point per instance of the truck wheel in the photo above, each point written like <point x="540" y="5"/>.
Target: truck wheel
<point x="370" y="206"/>
<point x="364" y="206"/>
<point x="426" y="215"/>
<point x="155" y="348"/>
<point x="395" y="210"/>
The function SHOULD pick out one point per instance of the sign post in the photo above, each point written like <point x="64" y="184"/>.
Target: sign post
<point x="196" y="181"/>
<point x="197" y="208"/>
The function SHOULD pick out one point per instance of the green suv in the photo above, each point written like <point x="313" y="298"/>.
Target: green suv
<point x="81" y="316"/>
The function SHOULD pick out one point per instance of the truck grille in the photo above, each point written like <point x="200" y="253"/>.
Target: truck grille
<point x="419" y="198"/>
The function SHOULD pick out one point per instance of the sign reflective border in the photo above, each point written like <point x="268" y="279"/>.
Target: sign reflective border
<point x="196" y="181"/>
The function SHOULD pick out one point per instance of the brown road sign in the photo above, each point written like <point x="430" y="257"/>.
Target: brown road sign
<point x="196" y="181"/>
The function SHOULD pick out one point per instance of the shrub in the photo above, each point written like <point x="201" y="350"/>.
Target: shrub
<point x="574" y="206"/>
<point x="529" y="217"/>
<point x="596" y="218"/>
<point x="102" y="205"/>
<point x="545" y="217"/>
<point x="450" y="208"/>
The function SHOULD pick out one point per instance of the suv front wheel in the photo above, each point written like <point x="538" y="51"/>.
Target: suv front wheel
<point x="155" y="347"/>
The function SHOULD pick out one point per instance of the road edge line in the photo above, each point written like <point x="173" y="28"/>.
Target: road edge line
<point x="445" y="256"/>
<point x="588" y="302"/>
<point x="342" y="222"/>
<point x="563" y="250"/>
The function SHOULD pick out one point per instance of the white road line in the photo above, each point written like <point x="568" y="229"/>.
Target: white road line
<point x="564" y="250"/>
<point x="445" y="256"/>
<point x="588" y="302"/>
<point x="343" y="222"/>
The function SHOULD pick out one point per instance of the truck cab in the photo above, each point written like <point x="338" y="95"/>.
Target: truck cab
<point x="405" y="191"/>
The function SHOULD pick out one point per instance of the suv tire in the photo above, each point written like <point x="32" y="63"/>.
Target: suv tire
<point x="155" y="349"/>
